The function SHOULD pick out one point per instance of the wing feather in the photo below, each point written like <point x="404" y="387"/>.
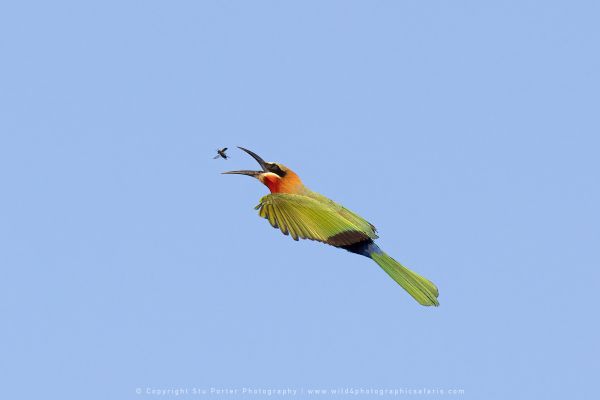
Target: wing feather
<point x="293" y="226"/>
<point x="304" y="217"/>
<point x="283" y="223"/>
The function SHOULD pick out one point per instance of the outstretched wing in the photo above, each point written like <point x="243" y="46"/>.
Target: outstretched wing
<point x="303" y="217"/>
<point x="224" y="149"/>
<point x="349" y="215"/>
<point x="217" y="156"/>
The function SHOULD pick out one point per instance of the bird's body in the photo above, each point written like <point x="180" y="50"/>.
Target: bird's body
<point x="303" y="214"/>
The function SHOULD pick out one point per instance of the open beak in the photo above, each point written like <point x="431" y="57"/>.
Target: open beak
<point x="255" y="174"/>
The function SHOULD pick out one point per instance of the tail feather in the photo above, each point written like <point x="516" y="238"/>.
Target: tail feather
<point x="424" y="291"/>
<point x="421" y="289"/>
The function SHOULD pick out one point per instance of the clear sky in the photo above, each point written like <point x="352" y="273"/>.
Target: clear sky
<point x="466" y="131"/>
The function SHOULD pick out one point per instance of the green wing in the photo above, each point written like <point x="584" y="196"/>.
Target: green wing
<point x="349" y="215"/>
<point x="304" y="217"/>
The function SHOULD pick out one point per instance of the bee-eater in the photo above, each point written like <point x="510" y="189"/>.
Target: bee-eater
<point x="304" y="214"/>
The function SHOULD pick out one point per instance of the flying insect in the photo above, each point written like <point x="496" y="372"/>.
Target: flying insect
<point x="221" y="153"/>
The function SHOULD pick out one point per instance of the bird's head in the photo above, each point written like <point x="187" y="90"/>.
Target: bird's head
<point x="277" y="177"/>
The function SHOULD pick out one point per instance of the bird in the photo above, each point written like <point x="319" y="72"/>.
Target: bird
<point x="221" y="153"/>
<point x="304" y="214"/>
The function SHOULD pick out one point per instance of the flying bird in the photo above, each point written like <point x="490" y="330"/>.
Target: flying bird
<point x="303" y="214"/>
<point x="221" y="153"/>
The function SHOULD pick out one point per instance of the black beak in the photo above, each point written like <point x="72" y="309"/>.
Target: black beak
<point x="262" y="163"/>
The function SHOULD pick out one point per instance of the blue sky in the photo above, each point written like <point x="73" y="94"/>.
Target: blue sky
<point x="466" y="131"/>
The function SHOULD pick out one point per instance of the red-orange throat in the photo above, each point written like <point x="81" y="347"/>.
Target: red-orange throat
<point x="290" y="183"/>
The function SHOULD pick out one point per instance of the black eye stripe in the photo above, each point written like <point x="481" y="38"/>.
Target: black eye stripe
<point x="276" y="169"/>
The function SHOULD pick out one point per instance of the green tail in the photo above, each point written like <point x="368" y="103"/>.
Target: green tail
<point x="421" y="289"/>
